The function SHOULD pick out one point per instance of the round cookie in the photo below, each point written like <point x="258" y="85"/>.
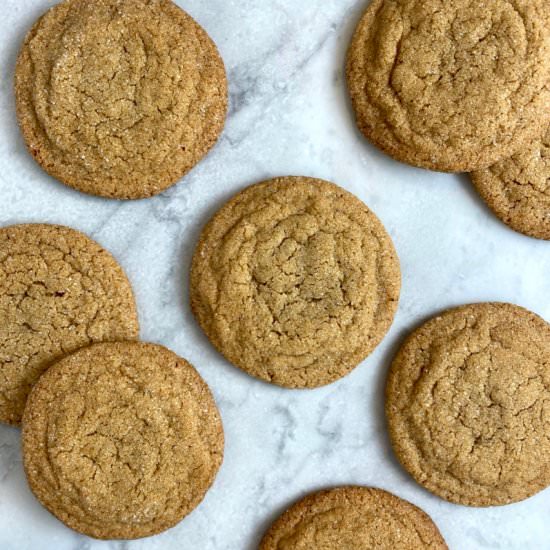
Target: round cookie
<point x="451" y="85"/>
<point x="121" y="440"/>
<point x="518" y="189"/>
<point x="353" y="518"/>
<point x="468" y="402"/>
<point x="119" y="98"/>
<point x="59" y="291"/>
<point x="295" y="281"/>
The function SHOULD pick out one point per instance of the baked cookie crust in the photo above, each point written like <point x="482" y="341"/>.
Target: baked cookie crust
<point x="467" y="404"/>
<point x="295" y="281"/>
<point x="119" y="98"/>
<point x="451" y="85"/>
<point x="121" y="440"/>
<point x="59" y="291"/>
<point x="517" y="189"/>
<point x="353" y="518"/>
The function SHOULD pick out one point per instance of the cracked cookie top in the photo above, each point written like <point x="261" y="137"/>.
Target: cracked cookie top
<point x="119" y="98"/>
<point x="121" y="440"/>
<point x="517" y="189"/>
<point x="295" y="281"/>
<point x="468" y="404"/>
<point x="353" y="518"/>
<point x="59" y="291"/>
<point x="451" y="85"/>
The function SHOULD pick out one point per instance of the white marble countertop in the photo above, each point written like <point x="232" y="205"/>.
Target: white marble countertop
<point x="289" y="115"/>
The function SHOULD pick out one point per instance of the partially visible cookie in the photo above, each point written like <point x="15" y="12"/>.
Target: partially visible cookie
<point x="353" y="518"/>
<point x="295" y="281"/>
<point x="119" y="98"/>
<point x="517" y="189"/>
<point x="468" y="404"/>
<point x="451" y="85"/>
<point x="121" y="440"/>
<point x="59" y="291"/>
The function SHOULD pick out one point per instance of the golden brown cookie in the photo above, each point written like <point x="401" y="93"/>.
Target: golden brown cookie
<point x="451" y="85"/>
<point x="121" y="440"/>
<point x="119" y="98"/>
<point x="353" y="518"/>
<point x="517" y="189"/>
<point x="59" y="291"/>
<point x="295" y="281"/>
<point x="468" y="403"/>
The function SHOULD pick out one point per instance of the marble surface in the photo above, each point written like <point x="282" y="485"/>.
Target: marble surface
<point x="289" y="115"/>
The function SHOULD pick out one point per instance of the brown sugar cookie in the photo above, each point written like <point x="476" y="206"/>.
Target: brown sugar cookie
<point x="59" y="291"/>
<point x="353" y="518"/>
<point x="451" y="85"/>
<point x="121" y="440"/>
<point x="517" y="189"/>
<point x="119" y="98"/>
<point x="468" y="402"/>
<point x="295" y="281"/>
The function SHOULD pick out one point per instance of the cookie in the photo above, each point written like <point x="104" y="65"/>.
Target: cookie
<point x="353" y="518"/>
<point x="121" y="440"/>
<point x="451" y="85"/>
<point x="59" y="291"/>
<point x="468" y="402"/>
<point x="517" y="189"/>
<point x="295" y="281"/>
<point x="119" y="98"/>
